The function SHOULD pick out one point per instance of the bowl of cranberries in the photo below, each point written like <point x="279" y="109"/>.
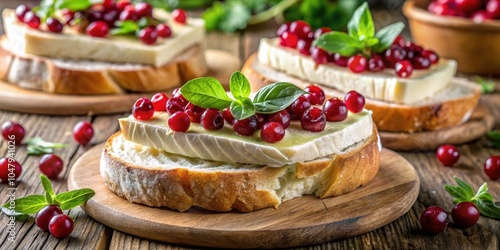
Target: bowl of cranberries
<point x="467" y="31"/>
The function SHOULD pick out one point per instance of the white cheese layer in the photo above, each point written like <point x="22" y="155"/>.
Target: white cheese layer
<point x="226" y="146"/>
<point x="384" y="85"/>
<point x="119" y="49"/>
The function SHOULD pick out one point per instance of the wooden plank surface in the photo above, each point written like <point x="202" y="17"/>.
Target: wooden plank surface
<point x="404" y="233"/>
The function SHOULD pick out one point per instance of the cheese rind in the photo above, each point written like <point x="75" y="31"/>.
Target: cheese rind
<point x="384" y="85"/>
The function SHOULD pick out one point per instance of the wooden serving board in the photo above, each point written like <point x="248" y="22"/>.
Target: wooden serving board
<point x="480" y="122"/>
<point x="12" y="98"/>
<point x="301" y="221"/>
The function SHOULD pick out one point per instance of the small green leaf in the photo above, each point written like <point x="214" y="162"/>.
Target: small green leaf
<point x="239" y="86"/>
<point x="48" y="198"/>
<point x="30" y="204"/>
<point x="276" y="97"/>
<point x="387" y="35"/>
<point x="17" y="216"/>
<point x="488" y="208"/>
<point x="457" y="193"/>
<point x="493" y="135"/>
<point x="38" y="146"/>
<point x="361" y="24"/>
<point x="206" y="92"/>
<point x="236" y="16"/>
<point x="371" y="41"/>
<point x="125" y="27"/>
<point x="338" y="42"/>
<point x="143" y="22"/>
<point x="242" y="110"/>
<point x="47" y="186"/>
<point x="213" y="15"/>
<point x="466" y="189"/>
<point x="76" y="5"/>
<point x="71" y="199"/>
<point x="487" y="86"/>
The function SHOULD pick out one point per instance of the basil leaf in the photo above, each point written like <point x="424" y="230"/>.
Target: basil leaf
<point x="493" y="135"/>
<point x="457" y="193"/>
<point x="242" y="110"/>
<point x="47" y="186"/>
<point x="124" y="27"/>
<point x="239" y="86"/>
<point x="488" y="208"/>
<point x="206" y="92"/>
<point x="37" y="141"/>
<point x="361" y="24"/>
<point x="71" y="199"/>
<point x="17" y="216"/>
<point x="338" y="42"/>
<point x="76" y="5"/>
<point x="30" y="204"/>
<point x="466" y="189"/>
<point x="276" y="97"/>
<point x="48" y="198"/>
<point x="387" y="35"/>
<point x="487" y="86"/>
<point x="45" y="9"/>
<point x="371" y="41"/>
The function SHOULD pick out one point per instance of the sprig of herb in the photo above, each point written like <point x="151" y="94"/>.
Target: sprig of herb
<point x="207" y="92"/>
<point x="361" y="36"/>
<point x="482" y="199"/>
<point x="494" y="138"/>
<point x="31" y="204"/>
<point x="38" y="146"/>
<point x="487" y="86"/>
<point x="47" y="8"/>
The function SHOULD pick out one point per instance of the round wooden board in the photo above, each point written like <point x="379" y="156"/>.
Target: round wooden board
<point x="301" y="221"/>
<point x="480" y="122"/>
<point x="221" y="65"/>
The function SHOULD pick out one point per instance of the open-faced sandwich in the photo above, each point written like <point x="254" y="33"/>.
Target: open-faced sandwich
<point x="408" y="88"/>
<point x="203" y="148"/>
<point x="79" y="47"/>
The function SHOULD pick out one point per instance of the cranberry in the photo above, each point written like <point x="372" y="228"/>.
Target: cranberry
<point x="443" y="8"/>
<point x="98" y="29"/>
<point x="21" y="11"/>
<point x="246" y="126"/>
<point x="376" y="63"/>
<point x="468" y="6"/>
<point x="128" y="13"/>
<point x="159" y="101"/>
<point x="480" y="16"/>
<point x="283" y="27"/>
<point x="313" y="120"/>
<point x="164" y="30"/>
<point x="357" y="64"/>
<point x="403" y="68"/>
<point x="61" y="226"/>
<point x="148" y="35"/>
<point x="175" y="104"/>
<point x="431" y="55"/>
<point x="492" y="167"/>
<point x="95" y="15"/>
<point x="50" y="165"/>
<point x="228" y="116"/>
<point x="316" y="95"/>
<point x="45" y="214"/>
<point x="32" y="20"/>
<point x="289" y="39"/>
<point x="335" y="110"/>
<point x="108" y="4"/>
<point x="304" y="46"/>
<point x="83" y="132"/>
<point x="272" y="132"/>
<point x="54" y="25"/>
<point x="447" y="154"/>
<point x="465" y="214"/>
<point x="354" y="101"/>
<point x="393" y="55"/>
<point x="10" y="169"/>
<point x="68" y="16"/>
<point x="341" y="61"/>
<point x="300" y="28"/>
<point x="493" y="8"/>
<point x="194" y="112"/>
<point x="143" y="109"/>
<point x="179" y="16"/>
<point x="319" y="55"/>
<point x="409" y="54"/>
<point x="212" y="119"/>
<point x="417" y="49"/>
<point x="177" y="94"/>
<point x="110" y="17"/>
<point x="122" y="4"/>
<point x="282" y="117"/>
<point x="261" y="120"/>
<point x="434" y="220"/>
<point x="420" y="62"/>
<point x="12" y="131"/>
<point x="143" y="9"/>
<point x="298" y="107"/>
<point x="321" y="31"/>
<point x="179" y="121"/>
<point x="400" y="41"/>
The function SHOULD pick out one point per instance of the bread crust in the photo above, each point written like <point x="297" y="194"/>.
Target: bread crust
<point x="181" y="188"/>
<point x="387" y="116"/>
<point x="48" y="75"/>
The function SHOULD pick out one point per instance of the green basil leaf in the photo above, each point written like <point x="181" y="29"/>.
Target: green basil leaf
<point x="493" y="135"/>
<point x="371" y="41"/>
<point x="45" y="9"/>
<point x="386" y="36"/>
<point x="143" y="22"/>
<point x="206" y="92"/>
<point x="466" y="188"/>
<point x="12" y="213"/>
<point x="71" y="199"/>
<point x="276" y="97"/>
<point x="213" y="15"/>
<point x="48" y="198"/>
<point x="76" y="5"/>
<point x="239" y="86"/>
<point x="487" y="86"/>
<point x="488" y="208"/>
<point x="457" y="193"/>
<point x="338" y="42"/>
<point x="37" y="150"/>
<point x="361" y="25"/>
<point x="47" y="186"/>
<point x="30" y="204"/>
<point x="242" y="110"/>
<point x="124" y="27"/>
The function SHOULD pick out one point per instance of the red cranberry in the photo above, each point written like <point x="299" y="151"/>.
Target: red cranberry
<point x="409" y="54"/>
<point x="164" y="30"/>
<point x="354" y="101"/>
<point x="51" y="165"/>
<point x="12" y="131"/>
<point x="245" y="127"/>
<point x="95" y="15"/>
<point x="400" y="41"/>
<point x="448" y="155"/>
<point x="108" y="4"/>
<point x="376" y="64"/>
<point x="110" y="17"/>
<point x="68" y="16"/>
<point x="179" y="16"/>
<point x="434" y="220"/>
<point x="493" y="8"/>
<point x="304" y="46"/>
<point x="465" y="214"/>
<point x="272" y="132"/>
<point x="143" y="9"/>
<point x="357" y="64"/>
<point x="316" y="95"/>
<point x="282" y="117"/>
<point x="45" y="214"/>
<point x="403" y="68"/>
<point x="335" y="110"/>
<point x="468" y="6"/>
<point x="393" y="55"/>
<point x="492" y="167"/>
<point x="159" y="101"/>
<point x="283" y="27"/>
<point x="321" y="31"/>
<point x="228" y="116"/>
<point x="300" y="28"/>
<point x="261" y="120"/>
<point x="21" y="11"/>
<point x="431" y="55"/>
<point x="319" y="55"/>
<point x="179" y="122"/>
<point x="177" y="94"/>
<point x="122" y="4"/>
<point x="443" y="9"/>
<point x="212" y="119"/>
<point x="298" y="107"/>
<point x="143" y="109"/>
<point x="175" y="104"/>
<point x="129" y="13"/>
<point x="289" y="39"/>
<point x="313" y="120"/>
<point x="194" y="112"/>
<point x="148" y="35"/>
<point x="54" y="25"/>
<point x="98" y="29"/>
<point x="61" y="226"/>
<point x="341" y="61"/>
<point x="415" y="48"/>
<point x="420" y="62"/>
<point x="32" y="20"/>
<point x="480" y="16"/>
<point x="10" y="170"/>
<point x="83" y="132"/>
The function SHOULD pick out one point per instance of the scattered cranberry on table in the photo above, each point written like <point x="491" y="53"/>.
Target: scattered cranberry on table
<point x="51" y="165"/>
<point x="492" y="167"/>
<point x="45" y="214"/>
<point x="9" y="169"/>
<point x="83" y="132"/>
<point x="13" y="131"/>
<point x="434" y="220"/>
<point x="465" y="214"/>
<point x="61" y="226"/>
<point x="448" y="155"/>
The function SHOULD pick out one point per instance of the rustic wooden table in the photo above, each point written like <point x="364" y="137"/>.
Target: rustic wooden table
<point x="404" y="233"/>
